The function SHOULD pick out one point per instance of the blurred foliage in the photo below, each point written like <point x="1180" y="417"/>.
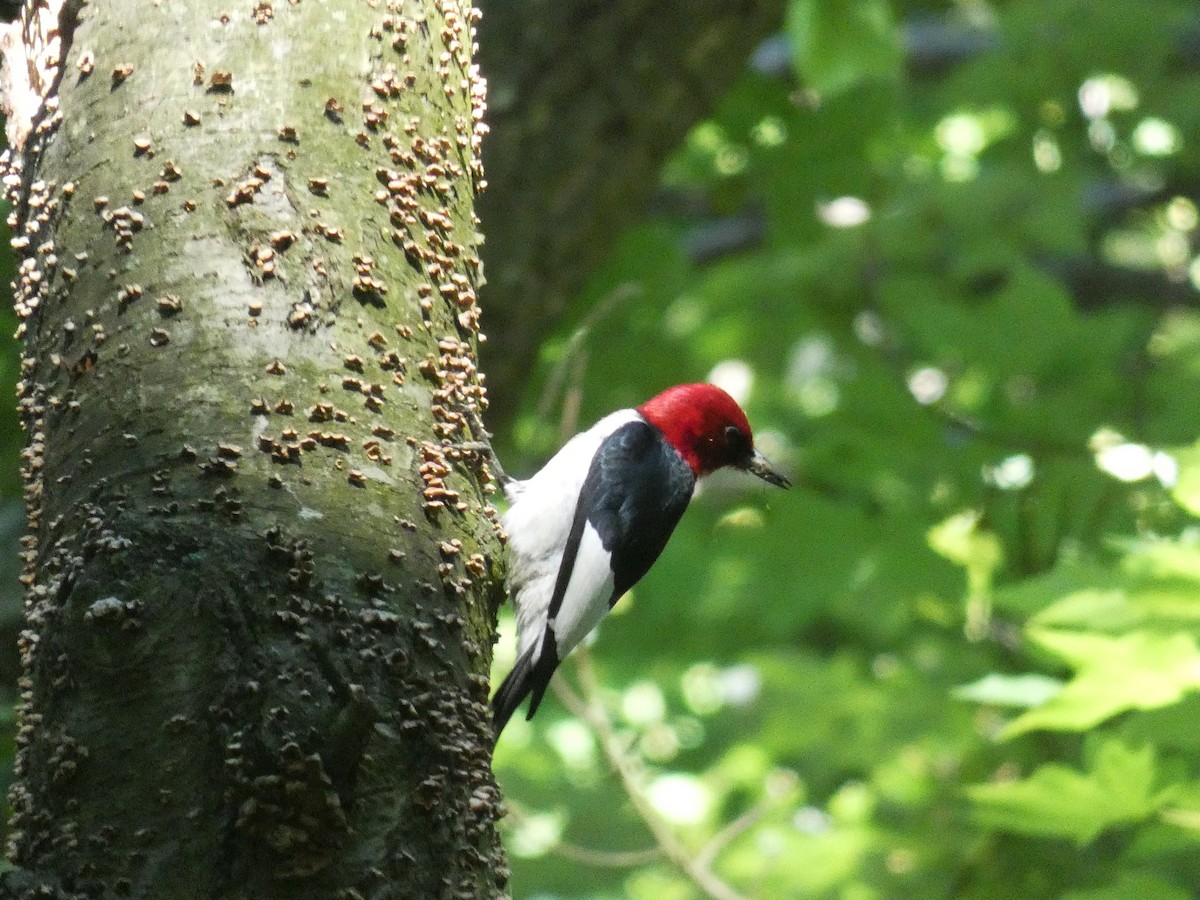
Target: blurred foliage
<point x="947" y="254"/>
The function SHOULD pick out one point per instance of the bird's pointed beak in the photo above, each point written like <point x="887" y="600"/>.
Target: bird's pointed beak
<point x="759" y="466"/>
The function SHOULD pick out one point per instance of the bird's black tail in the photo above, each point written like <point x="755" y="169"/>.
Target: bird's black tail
<point x="527" y="677"/>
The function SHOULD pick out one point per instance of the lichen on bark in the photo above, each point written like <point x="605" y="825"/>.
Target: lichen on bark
<point x="262" y="571"/>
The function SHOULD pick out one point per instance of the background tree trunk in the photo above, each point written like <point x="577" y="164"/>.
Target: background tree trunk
<point x="262" y="584"/>
<point x="586" y="102"/>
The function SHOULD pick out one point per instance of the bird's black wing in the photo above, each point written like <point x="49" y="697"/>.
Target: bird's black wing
<point x="634" y="495"/>
<point x="635" y="491"/>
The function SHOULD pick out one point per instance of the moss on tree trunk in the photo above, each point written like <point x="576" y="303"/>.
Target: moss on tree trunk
<point x="262" y="580"/>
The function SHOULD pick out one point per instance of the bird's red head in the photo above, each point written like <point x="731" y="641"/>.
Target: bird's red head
<point x="708" y="429"/>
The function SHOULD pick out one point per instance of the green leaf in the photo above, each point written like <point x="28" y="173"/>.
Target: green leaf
<point x="1187" y="487"/>
<point x="1183" y="810"/>
<point x="961" y="540"/>
<point x="1062" y="802"/>
<point x="1032" y="596"/>
<point x="1165" y="560"/>
<point x="1132" y="886"/>
<point x="1156" y="584"/>
<point x="1121" y="607"/>
<point x="1010" y="690"/>
<point x="1093" y="608"/>
<point x="840" y="43"/>
<point x="1139" y="670"/>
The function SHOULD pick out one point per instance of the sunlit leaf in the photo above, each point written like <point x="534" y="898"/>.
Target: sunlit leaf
<point x="1187" y="486"/>
<point x="1010" y="690"/>
<point x="1139" y="670"/>
<point x="1183" y="808"/>
<point x="1117" y="789"/>
<point x="838" y="43"/>
<point x="960" y="539"/>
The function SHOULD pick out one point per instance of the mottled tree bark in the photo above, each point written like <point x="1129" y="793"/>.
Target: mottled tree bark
<point x="587" y="99"/>
<point x="262" y="578"/>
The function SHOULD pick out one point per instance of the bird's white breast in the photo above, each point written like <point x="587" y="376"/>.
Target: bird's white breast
<point x="539" y="519"/>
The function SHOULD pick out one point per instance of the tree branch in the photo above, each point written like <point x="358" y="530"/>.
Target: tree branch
<point x="607" y="859"/>
<point x="589" y="707"/>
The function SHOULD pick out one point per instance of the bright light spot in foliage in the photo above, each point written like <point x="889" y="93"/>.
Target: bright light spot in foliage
<point x="733" y="376"/>
<point x="702" y="688"/>
<point x="683" y="316"/>
<point x="928" y="385"/>
<point x="1094" y="98"/>
<point x="1026" y="691"/>
<point x="961" y="134"/>
<point x="770" y="842"/>
<point x="1102" y="135"/>
<point x="727" y="157"/>
<point x="1182" y="214"/>
<point x="1166" y="469"/>
<point x="1102" y="94"/>
<point x="644" y="704"/>
<point x="819" y="397"/>
<point x="708" y="136"/>
<point x="740" y="685"/>
<point x="854" y="803"/>
<point x="770" y="132"/>
<point x="963" y="540"/>
<point x="844" y="212"/>
<point x="573" y="742"/>
<point x="869" y="328"/>
<point x="731" y="160"/>
<point x="1155" y="137"/>
<point x="1046" y="154"/>
<point x="1130" y="462"/>
<point x="1012" y="473"/>
<point x="536" y="834"/>
<point x="1174" y="249"/>
<point x="812" y="373"/>
<point x="659" y="743"/>
<point x="1194" y="273"/>
<point x="742" y="517"/>
<point x="1126" y="462"/>
<point x="812" y="820"/>
<point x="680" y="798"/>
<point x="1134" y="249"/>
<point x="689" y="733"/>
<point x="812" y="356"/>
<point x="780" y="782"/>
<point x="959" y="168"/>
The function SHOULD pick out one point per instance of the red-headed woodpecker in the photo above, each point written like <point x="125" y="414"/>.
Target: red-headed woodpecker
<point x="589" y="525"/>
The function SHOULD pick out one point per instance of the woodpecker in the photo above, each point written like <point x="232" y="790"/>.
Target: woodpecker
<point x="592" y="521"/>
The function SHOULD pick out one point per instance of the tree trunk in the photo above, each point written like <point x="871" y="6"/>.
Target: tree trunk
<point x="262" y="576"/>
<point x="587" y="100"/>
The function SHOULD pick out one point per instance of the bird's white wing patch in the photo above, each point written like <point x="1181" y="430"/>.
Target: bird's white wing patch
<point x="588" y="592"/>
<point x="539" y="520"/>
